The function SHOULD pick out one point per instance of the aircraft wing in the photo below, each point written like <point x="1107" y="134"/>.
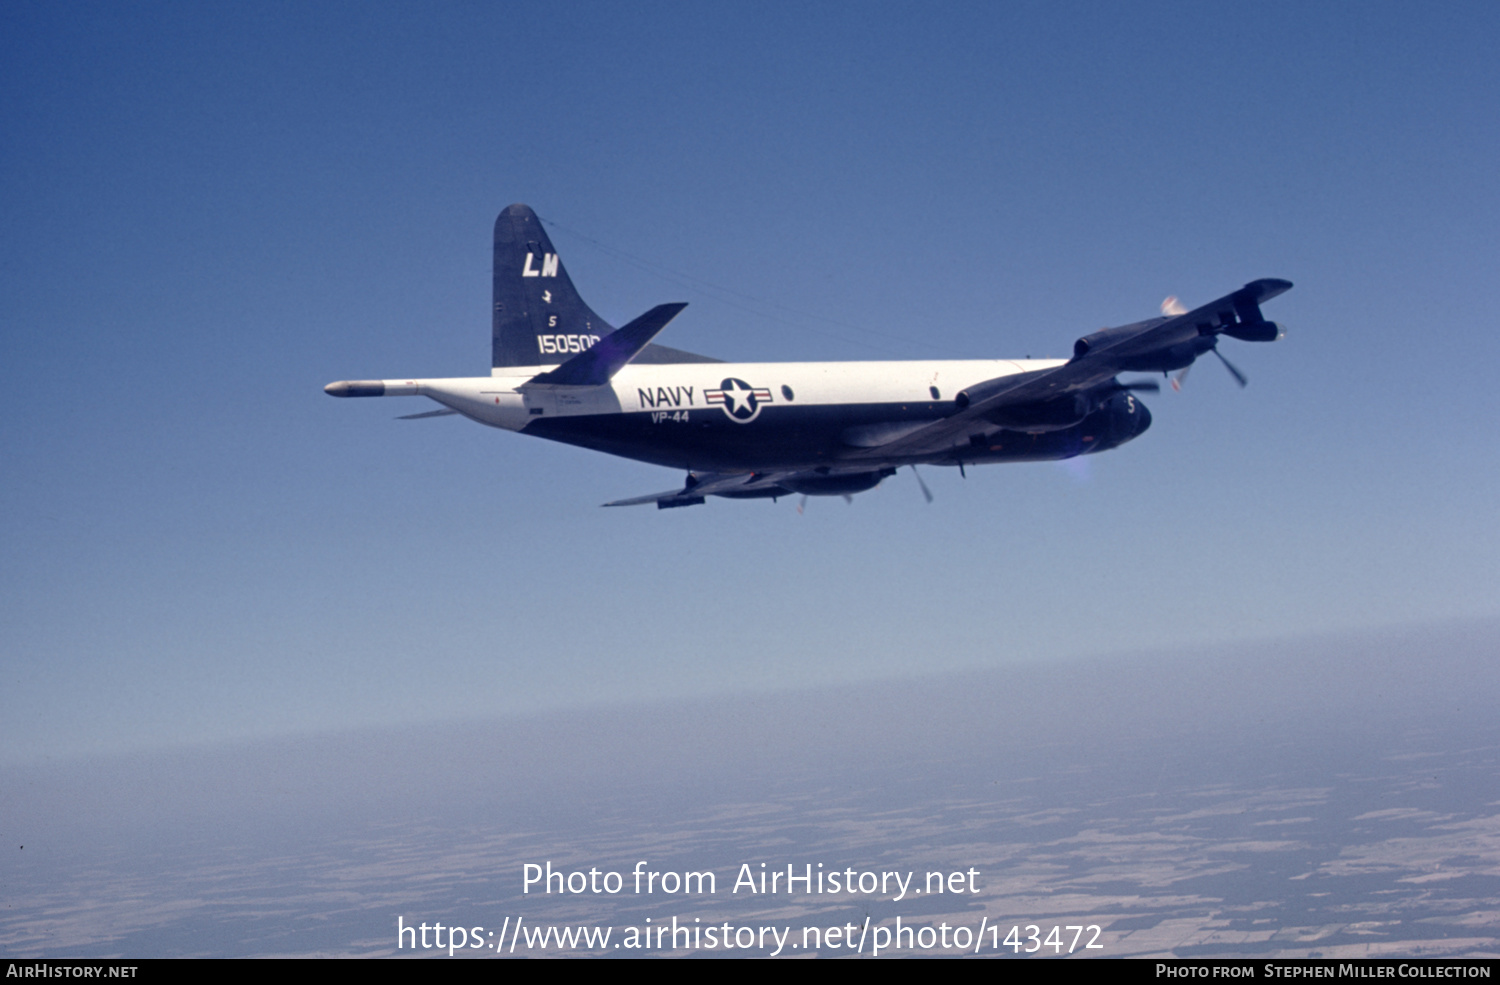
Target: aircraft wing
<point x="1022" y="389"/>
<point x="1156" y="345"/>
<point x="672" y="497"/>
<point x="1236" y="314"/>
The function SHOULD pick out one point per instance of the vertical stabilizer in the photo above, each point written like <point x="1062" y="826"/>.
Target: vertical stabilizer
<point x="538" y="317"/>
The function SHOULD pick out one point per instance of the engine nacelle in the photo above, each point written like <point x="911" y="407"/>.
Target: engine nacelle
<point x="1106" y="337"/>
<point x="1054" y="415"/>
<point x="1261" y="331"/>
<point x="1049" y="415"/>
<point x="1160" y="360"/>
<point x="1168" y="358"/>
<point x="1119" y="419"/>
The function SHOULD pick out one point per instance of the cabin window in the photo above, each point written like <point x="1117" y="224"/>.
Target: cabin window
<point x="786" y="392"/>
<point x="935" y="394"/>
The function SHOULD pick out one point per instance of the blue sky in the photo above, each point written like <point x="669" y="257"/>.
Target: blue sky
<point x="212" y="212"/>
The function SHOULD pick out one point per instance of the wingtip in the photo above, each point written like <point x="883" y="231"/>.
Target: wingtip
<point x="1268" y="287"/>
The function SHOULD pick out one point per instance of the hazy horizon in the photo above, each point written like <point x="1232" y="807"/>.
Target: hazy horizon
<point x="1332" y="797"/>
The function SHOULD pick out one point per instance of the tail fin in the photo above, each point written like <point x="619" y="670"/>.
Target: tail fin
<point x="538" y="317"/>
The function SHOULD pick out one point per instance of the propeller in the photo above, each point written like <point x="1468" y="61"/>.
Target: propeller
<point x="802" y="504"/>
<point x="1239" y="377"/>
<point x="1172" y="307"/>
<point x="925" y="491"/>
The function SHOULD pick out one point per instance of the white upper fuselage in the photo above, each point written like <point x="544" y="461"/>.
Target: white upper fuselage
<point x="503" y="400"/>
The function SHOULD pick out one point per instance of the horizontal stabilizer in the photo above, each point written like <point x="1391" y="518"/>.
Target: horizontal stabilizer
<point x="672" y="497"/>
<point x="444" y="412"/>
<point x="595" y="366"/>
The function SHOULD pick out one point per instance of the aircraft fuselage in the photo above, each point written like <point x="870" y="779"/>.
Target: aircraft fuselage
<point x="758" y="416"/>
